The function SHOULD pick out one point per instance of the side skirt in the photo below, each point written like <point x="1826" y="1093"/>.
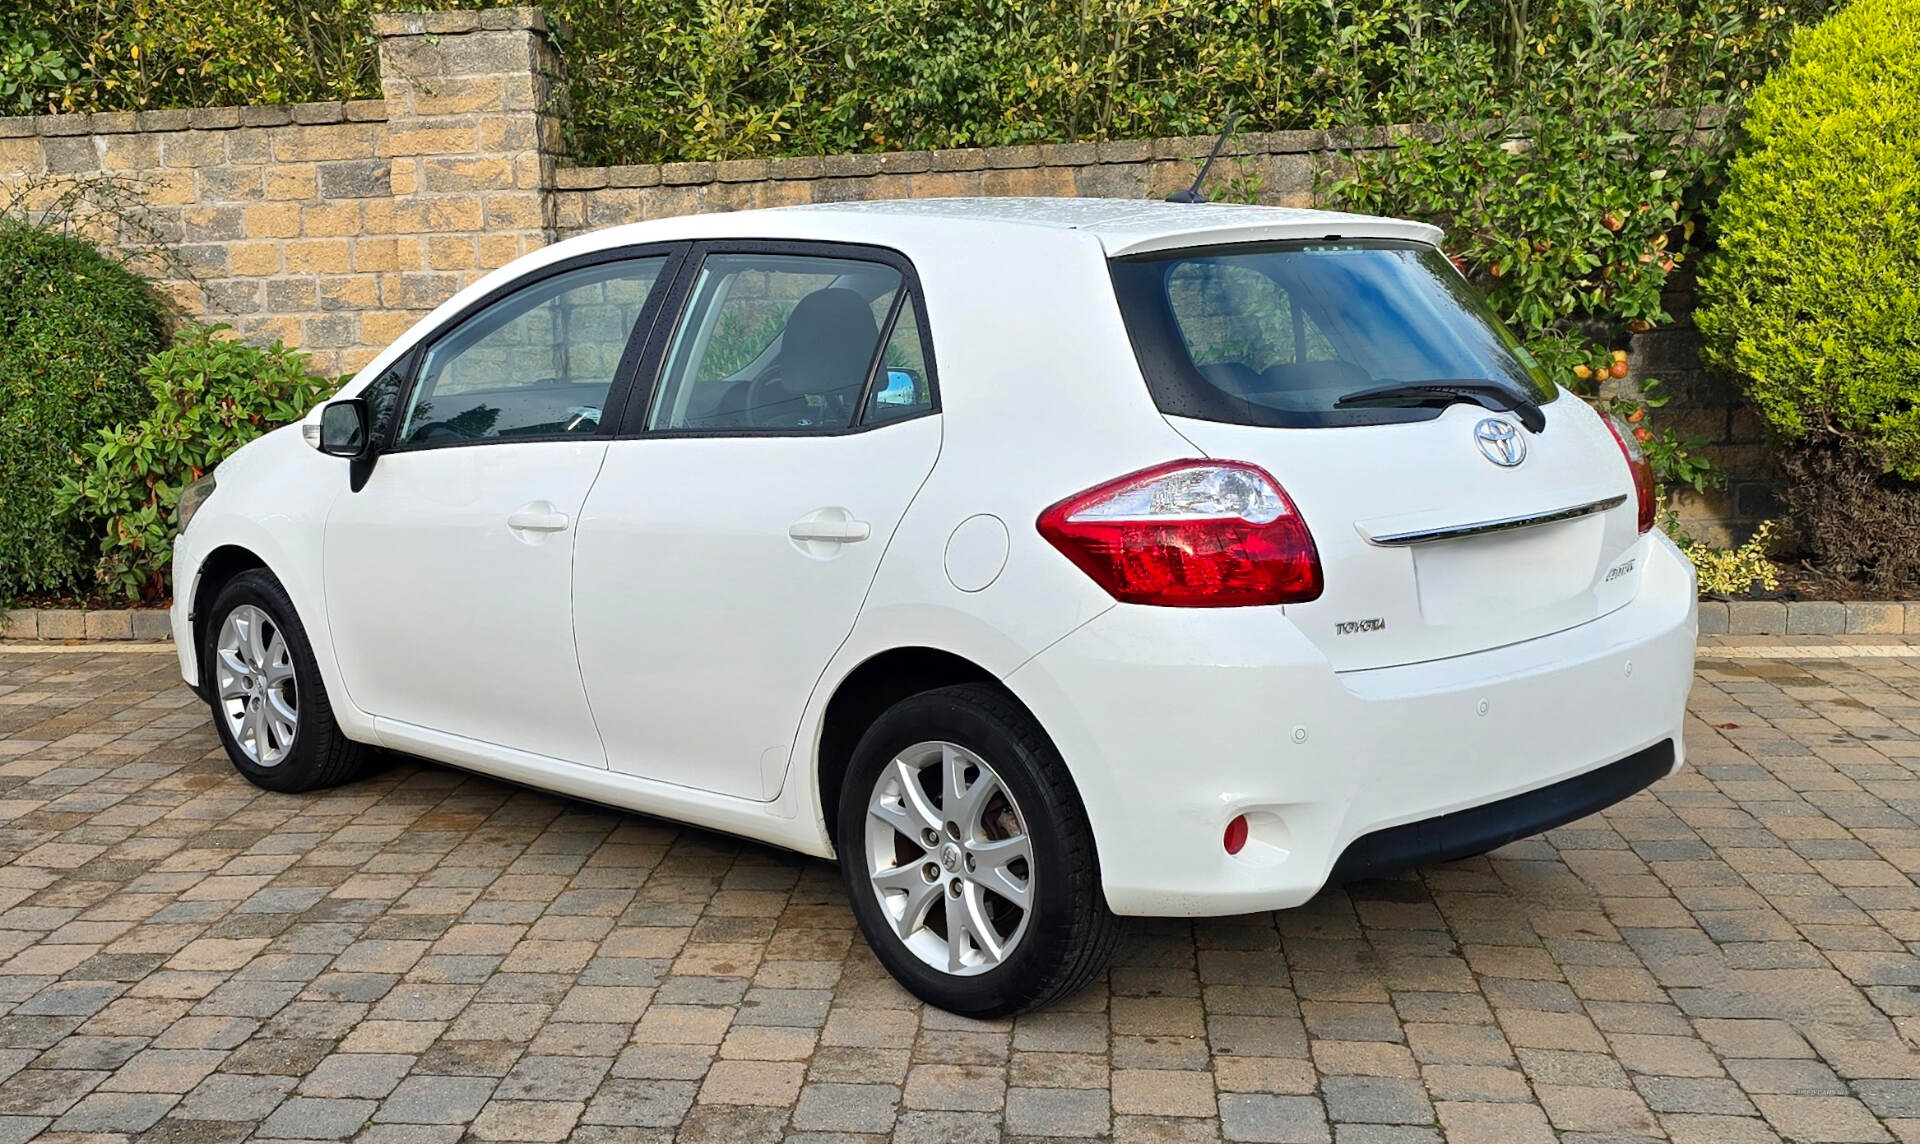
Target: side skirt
<point x="773" y="823"/>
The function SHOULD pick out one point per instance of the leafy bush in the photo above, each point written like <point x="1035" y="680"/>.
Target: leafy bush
<point x="1812" y="300"/>
<point x="132" y="54"/>
<point x="74" y="329"/>
<point x="1857" y="522"/>
<point x="30" y="70"/>
<point x="1733" y="571"/>
<point x="209" y="397"/>
<point x="1571" y="199"/>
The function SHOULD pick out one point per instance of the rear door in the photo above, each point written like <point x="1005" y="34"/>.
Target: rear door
<point x="735" y="528"/>
<point x="1444" y="526"/>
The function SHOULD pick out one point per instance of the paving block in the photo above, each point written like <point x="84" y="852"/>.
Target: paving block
<point x="119" y="1112"/>
<point x="1058" y="1112"/>
<point x="846" y="1108"/>
<point x="1376" y="1100"/>
<point x="307" y="1118"/>
<point x="1273" y="1119"/>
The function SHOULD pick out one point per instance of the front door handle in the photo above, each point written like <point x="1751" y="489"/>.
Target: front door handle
<point x="830" y="531"/>
<point x="538" y="517"/>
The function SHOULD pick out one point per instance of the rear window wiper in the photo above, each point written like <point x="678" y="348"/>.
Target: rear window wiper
<point x="1446" y="391"/>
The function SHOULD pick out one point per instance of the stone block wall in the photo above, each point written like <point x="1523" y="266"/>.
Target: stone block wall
<point x="1276" y="168"/>
<point x="335" y="226"/>
<point x="1707" y="405"/>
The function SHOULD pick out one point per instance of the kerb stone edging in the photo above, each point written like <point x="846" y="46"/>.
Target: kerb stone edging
<point x="1809" y="618"/>
<point x="1717" y="618"/>
<point x="103" y="624"/>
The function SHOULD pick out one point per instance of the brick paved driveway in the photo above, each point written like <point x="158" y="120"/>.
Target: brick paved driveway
<point x="427" y="956"/>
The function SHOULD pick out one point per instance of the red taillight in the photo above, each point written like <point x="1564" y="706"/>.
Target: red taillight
<point x="1191" y="534"/>
<point x="1236" y="836"/>
<point x="1638" y="465"/>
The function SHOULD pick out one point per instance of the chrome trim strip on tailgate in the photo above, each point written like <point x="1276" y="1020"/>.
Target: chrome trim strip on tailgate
<point x="1504" y="524"/>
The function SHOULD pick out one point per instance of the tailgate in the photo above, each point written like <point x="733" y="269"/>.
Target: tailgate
<point x="1429" y="549"/>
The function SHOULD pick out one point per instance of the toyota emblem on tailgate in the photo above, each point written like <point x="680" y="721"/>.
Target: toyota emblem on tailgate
<point x="1500" y="442"/>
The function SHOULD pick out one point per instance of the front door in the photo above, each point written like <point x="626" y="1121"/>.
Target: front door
<point x="449" y="574"/>
<point x="725" y="552"/>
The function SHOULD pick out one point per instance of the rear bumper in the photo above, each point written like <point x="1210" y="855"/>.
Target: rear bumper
<point x="1174" y="721"/>
<point x="1478" y="829"/>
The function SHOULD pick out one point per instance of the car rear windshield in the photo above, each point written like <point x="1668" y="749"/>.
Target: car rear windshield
<point x="1278" y="333"/>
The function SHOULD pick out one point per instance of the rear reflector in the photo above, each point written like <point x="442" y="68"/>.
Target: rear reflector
<point x="1190" y="534"/>
<point x="1236" y="837"/>
<point x="1639" y="466"/>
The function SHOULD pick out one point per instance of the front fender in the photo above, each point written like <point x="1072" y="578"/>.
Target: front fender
<point x="271" y="500"/>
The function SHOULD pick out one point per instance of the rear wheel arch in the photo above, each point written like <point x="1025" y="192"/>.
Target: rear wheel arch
<point x="876" y="684"/>
<point x="1032" y="923"/>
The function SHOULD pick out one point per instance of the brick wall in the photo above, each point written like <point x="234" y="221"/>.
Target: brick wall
<point x="335" y="226"/>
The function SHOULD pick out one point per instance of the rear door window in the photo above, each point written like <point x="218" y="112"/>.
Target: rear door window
<point x="776" y="342"/>
<point x="1277" y="334"/>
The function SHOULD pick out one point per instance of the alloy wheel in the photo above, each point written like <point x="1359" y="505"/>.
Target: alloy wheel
<point x="254" y="679"/>
<point x="949" y="857"/>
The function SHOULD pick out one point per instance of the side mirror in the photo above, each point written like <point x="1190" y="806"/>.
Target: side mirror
<point x="343" y="428"/>
<point x="902" y="388"/>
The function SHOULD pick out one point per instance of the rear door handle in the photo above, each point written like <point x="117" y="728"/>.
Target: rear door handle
<point x="831" y="531"/>
<point x="538" y="517"/>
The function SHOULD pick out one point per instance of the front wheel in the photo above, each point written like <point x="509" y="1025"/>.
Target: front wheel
<point x="269" y="706"/>
<point x="968" y="858"/>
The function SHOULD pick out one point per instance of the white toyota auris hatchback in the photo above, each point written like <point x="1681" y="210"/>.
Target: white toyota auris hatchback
<point x="1044" y="560"/>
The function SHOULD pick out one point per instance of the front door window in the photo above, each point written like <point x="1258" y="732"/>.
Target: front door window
<point x="537" y="363"/>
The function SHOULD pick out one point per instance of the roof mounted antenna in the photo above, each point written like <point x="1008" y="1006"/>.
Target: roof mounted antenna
<point x="1194" y="194"/>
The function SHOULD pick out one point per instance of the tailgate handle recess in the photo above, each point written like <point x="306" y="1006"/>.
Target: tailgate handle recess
<point x="1503" y="524"/>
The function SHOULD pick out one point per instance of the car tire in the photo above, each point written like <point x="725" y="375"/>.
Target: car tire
<point x="1009" y="828"/>
<point x="269" y="705"/>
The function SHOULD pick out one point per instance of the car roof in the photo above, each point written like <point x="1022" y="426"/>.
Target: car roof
<point x="1120" y="226"/>
<point x="1137" y="226"/>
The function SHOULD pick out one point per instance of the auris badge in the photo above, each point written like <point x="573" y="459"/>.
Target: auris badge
<point x="1500" y="442"/>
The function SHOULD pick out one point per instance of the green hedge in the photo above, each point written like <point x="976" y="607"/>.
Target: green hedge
<point x="707" y="79"/>
<point x="1813" y="299"/>
<point x="74" y="329"/>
